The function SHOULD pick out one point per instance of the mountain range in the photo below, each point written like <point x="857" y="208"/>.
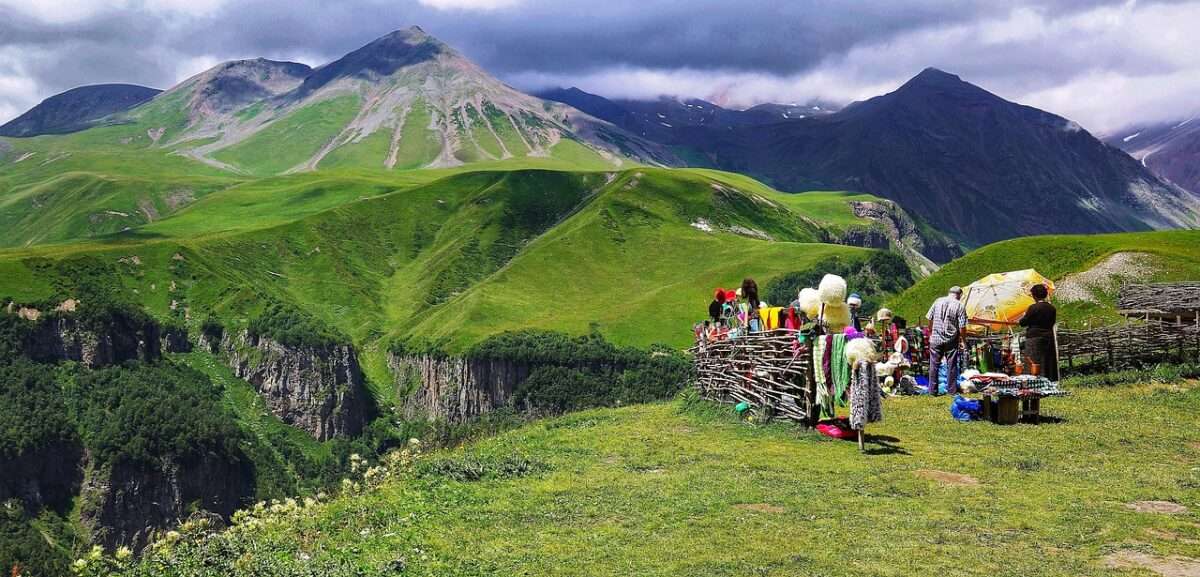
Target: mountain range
<point x="974" y="165"/>
<point x="403" y="101"/>
<point x="968" y="162"/>
<point x="1170" y="150"/>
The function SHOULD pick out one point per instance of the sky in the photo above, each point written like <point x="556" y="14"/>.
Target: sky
<point x="1105" y="64"/>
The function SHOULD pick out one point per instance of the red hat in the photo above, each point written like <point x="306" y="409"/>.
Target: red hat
<point x="730" y="295"/>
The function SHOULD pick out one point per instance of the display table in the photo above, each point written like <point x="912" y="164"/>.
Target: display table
<point x="1008" y="402"/>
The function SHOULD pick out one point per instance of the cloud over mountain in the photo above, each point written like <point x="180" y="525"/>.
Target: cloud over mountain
<point x="1102" y="63"/>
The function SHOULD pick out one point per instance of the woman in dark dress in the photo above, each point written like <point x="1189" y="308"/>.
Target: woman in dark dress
<point x="1039" y="322"/>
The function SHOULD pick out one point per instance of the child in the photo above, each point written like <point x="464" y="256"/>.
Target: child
<point x="898" y="361"/>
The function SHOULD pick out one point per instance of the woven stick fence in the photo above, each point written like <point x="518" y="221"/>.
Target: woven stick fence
<point x="1161" y="300"/>
<point x="765" y="370"/>
<point x="1128" y="345"/>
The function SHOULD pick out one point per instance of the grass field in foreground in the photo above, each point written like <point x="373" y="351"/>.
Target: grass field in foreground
<point x="667" y="490"/>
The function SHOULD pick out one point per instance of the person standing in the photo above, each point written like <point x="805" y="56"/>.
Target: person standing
<point x="854" y="303"/>
<point x="751" y="304"/>
<point x="716" y="309"/>
<point x="1039" y="322"/>
<point x="948" y="320"/>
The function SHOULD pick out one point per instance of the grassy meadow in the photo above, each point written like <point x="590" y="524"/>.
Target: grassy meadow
<point x="450" y="257"/>
<point x="1168" y="255"/>
<point x="683" y="488"/>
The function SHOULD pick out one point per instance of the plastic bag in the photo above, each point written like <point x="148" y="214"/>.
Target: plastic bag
<point x="963" y="409"/>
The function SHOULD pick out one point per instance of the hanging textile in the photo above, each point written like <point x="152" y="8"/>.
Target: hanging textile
<point x="819" y="372"/>
<point x="770" y="317"/>
<point x="866" y="398"/>
<point x="826" y="382"/>
<point x="791" y="319"/>
<point x="840" y="368"/>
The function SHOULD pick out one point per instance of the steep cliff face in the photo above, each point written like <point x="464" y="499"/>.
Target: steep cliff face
<point x="454" y="389"/>
<point x="315" y="388"/>
<point x="896" y="229"/>
<point x="45" y="477"/>
<point x="125" y="504"/>
<point x="65" y="339"/>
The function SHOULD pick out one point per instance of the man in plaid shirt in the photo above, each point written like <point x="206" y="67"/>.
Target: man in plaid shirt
<point x="949" y="319"/>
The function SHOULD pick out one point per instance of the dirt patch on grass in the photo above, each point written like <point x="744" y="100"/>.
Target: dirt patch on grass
<point x="1165" y="566"/>
<point x="1160" y="507"/>
<point x="949" y="479"/>
<point x="1165" y="535"/>
<point x="1083" y="286"/>
<point x="760" y="507"/>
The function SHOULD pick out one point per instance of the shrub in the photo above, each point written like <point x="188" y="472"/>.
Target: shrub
<point x="571" y="373"/>
<point x="875" y="277"/>
<point x="292" y="327"/>
<point x="139" y="413"/>
<point x="1161" y="373"/>
<point x="33" y="414"/>
<point x="476" y="467"/>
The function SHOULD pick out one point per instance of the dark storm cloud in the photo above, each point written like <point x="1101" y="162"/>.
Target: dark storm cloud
<point x="749" y="49"/>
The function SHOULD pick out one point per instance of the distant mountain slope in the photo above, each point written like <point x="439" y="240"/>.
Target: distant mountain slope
<point x="1170" y="150"/>
<point x="662" y="119"/>
<point x="405" y="100"/>
<point x="630" y="253"/>
<point x="974" y="165"/>
<point x="77" y="109"/>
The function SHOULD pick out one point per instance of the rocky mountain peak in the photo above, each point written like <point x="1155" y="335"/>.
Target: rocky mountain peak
<point x="233" y="84"/>
<point x="380" y="58"/>
<point x="77" y="109"/>
<point x="935" y="83"/>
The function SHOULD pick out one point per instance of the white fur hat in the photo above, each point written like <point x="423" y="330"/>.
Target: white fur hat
<point x="833" y="289"/>
<point x="837" y="316"/>
<point x="860" y="349"/>
<point x="810" y="302"/>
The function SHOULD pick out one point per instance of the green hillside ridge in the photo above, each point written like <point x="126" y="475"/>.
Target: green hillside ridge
<point x="1165" y="256"/>
<point x="458" y="258"/>
<point x="683" y="489"/>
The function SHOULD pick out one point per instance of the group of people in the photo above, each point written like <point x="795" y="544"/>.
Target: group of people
<point x="742" y="311"/>
<point x="947" y="319"/>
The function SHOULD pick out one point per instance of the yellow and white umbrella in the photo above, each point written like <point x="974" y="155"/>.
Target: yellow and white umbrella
<point x="999" y="300"/>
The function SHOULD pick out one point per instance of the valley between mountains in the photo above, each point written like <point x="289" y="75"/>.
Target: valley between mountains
<point x="244" y="287"/>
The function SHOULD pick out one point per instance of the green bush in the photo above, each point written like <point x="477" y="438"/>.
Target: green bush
<point x="24" y="546"/>
<point x="33" y="413"/>
<point x="571" y="373"/>
<point x="292" y="327"/>
<point x="139" y="413"/>
<point x="875" y="278"/>
<point x="1161" y="373"/>
<point x="476" y="467"/>
<point x="13" y="333"/>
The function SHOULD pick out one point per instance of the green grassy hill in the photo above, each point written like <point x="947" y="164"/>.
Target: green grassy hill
<point x="453" y="259"/>
<point x="1065" y="259"/>
<point x="681" y="489"/>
